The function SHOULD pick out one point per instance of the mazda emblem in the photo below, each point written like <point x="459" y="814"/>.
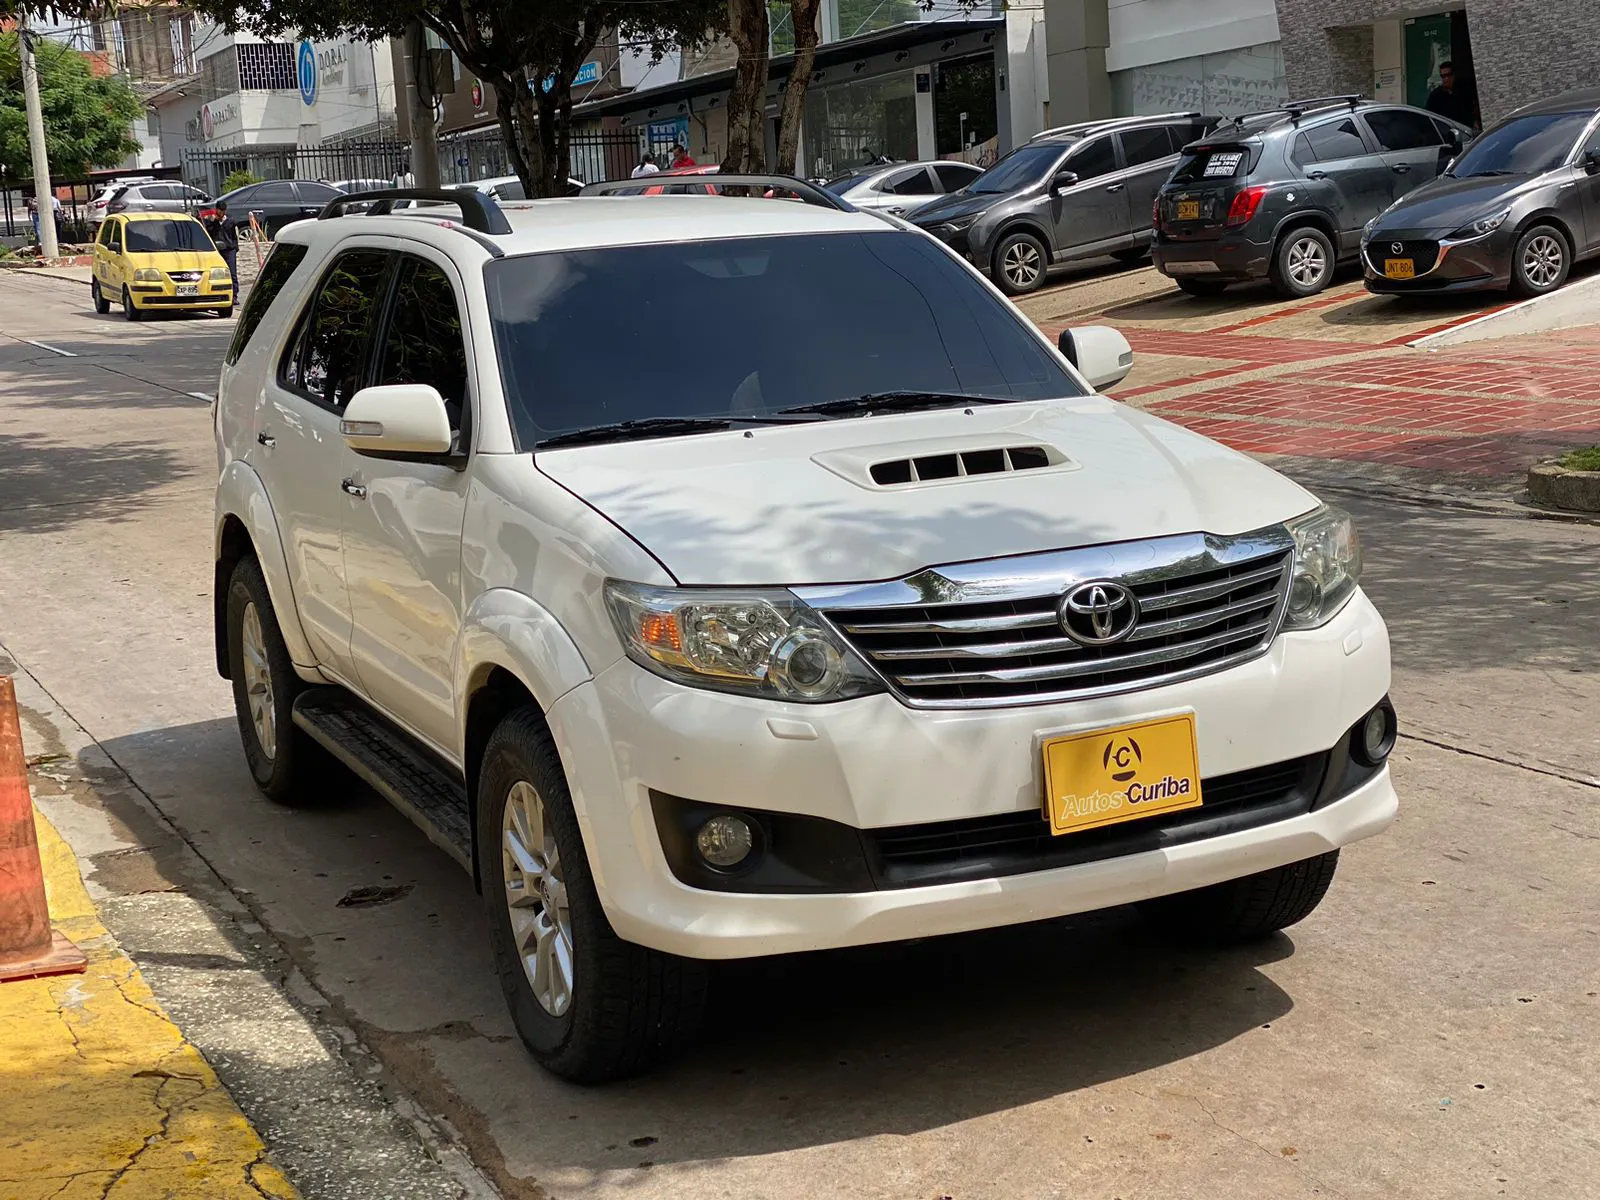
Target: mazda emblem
<point x="1098" y="614"/>
<point x="1397" y="247"/>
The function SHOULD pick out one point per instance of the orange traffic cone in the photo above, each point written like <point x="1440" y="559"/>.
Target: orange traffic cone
<point x="29" y="948"/>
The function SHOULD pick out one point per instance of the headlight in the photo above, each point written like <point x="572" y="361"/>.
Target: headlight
<point x="1483" y="225"/>
<point x="148" y="275"/>
<point x="1366" y="230"/>
<point x="751" y="641"/>
<point x="1327" y="567"/>
<point x="960" y="223"/>
<point x="220" y="275"/>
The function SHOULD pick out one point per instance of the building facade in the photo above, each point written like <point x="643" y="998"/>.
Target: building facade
<point x="1512" y="51"/>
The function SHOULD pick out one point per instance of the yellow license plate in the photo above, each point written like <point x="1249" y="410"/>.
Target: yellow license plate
<point x="1121" y="774"/>
<point x="1399" y="268"/>
<point x="1188" y="210"/>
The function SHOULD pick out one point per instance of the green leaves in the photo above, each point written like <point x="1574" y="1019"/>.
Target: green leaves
<point x="86" y="119"/>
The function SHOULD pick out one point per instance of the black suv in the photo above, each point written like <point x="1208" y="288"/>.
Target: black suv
<point x="1286" y="193"/>
<point x="1075" y="192"/>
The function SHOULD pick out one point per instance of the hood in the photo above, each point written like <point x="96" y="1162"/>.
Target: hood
<point x="958" y="204"/>
<point x="177" y="260"/>
<point x="796" y="504"/>
<point x="1443" y="205"/>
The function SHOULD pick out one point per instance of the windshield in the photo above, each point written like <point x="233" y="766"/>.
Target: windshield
<point x="750" y="327"/>
<point x="152" y="237"/>
<point x="1522" y="146"/>
<point x="1023" y="167"/>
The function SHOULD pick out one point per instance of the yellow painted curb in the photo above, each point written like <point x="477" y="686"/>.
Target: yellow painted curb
<point x="101" y="1096"/>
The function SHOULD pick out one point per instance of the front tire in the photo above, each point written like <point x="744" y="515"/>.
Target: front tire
<point x="101" y="304"/>
<point x="1202" y="287"/>
<point x="128" y="310"/>
<point x="1247" y="909"/>
<point x="1303" y="263"/>
<point x="590" y="1006"/>
<point x="282" y="759"/>
<point x="1020" y="263"/>
<point x="1540" y="263"/>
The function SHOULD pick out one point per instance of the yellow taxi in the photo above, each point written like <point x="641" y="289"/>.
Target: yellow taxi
<point x="154" y="261"/>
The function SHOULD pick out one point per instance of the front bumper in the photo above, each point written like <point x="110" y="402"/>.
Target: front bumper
<point x="1233" y="256"/>
<point x="165" y="295"/>
<point x="874" y="763"/>
<point x="1458" y="265"/>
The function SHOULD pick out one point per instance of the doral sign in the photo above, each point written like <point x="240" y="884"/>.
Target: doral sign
<point x="331" y="64"/>
<point x="306" y="72"/>
<point x="217" y="116"/>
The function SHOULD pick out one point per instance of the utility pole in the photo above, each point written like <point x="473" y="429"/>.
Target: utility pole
<point x="419" y="107"/>
<point x="43" y="196"/>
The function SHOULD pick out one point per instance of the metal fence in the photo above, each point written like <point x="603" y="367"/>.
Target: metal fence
<point x="74" y="220"/>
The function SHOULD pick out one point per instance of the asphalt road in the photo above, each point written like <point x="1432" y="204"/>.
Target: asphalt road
<point x="1433" y="1031"/>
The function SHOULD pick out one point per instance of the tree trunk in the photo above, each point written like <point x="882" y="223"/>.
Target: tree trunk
<point x="519" y="131"/>
<point x="748" y="28"/>
<point x="803" y="16"/>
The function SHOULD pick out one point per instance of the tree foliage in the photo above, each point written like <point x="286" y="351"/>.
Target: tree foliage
<point x="86" y="120"/>
<point x="513" y="46"/>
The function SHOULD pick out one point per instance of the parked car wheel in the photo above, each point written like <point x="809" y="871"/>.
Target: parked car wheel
<point x="1303" y="263"/>
<point x="590" y="1006"/>
<point x="1020" y="263"/>
<point x="1247" y="909"/>
<point x="128" y="310"/>
<point x="286" y="764"/>
<point x="101" y="304"/>
<point x="1202" y="287"/>
<point x="225" y="313"/>
<point x="1540" y="262"/>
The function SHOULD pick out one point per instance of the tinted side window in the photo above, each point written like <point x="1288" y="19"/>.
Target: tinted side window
<point x="1325" y="143"/>
<point x="330" y="352"/>
<point x="915" y="182"/>
<point x="1592" y="146"/>
<point x="511" y="191"/>
<point x="116" y="238"/>
<point x="104" y="236"/>
<point x="1401" y="129"/>
<point x="1140" y="146"/>
<point x="1447" y="133"/>
<point x="316" y="193"/>
<point x="1092" y="159"/>
<point x="953" y="176"/>
<point x="423" y="343"/>
<point x="269" y="193"/>
<point x="275" y="272"/>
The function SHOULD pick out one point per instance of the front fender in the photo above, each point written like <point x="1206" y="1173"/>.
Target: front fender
<point x="242" y="496"/>
<point x="507" y="629"/>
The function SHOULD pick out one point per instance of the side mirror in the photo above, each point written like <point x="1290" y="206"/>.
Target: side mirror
<point x="1063" y="179"/>
<point x="397" y="418"/>
<point x="1591" y="162"/>
<point x="1101" y="354"/>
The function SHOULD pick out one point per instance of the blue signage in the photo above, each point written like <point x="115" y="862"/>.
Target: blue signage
<point x="306" y="68"/>
<point x="588" y="73"/>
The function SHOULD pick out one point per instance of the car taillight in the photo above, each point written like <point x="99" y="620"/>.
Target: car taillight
<point x="99" y="204"/>
<point x="1245" y="204"/>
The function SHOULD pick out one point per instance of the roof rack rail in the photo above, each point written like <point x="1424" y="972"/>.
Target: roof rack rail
<point x="1295" y="109"/>
<point x="1106" y="122"/>
<point x="809" y="192"/>
<point x="479" y="212"/>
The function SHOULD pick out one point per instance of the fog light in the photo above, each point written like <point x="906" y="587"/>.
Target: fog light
<point x="725" y="841"/>
<point x="1377" y="735"/>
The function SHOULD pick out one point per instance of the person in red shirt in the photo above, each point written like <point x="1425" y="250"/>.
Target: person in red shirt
<point x="681" y="158"/>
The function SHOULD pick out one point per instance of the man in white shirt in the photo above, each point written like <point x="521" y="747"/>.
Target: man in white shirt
<point x="647" y="166"/>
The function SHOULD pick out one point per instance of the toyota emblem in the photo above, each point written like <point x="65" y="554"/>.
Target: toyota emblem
<point x="1397" y="247"/>
<point x="1098" y="614"/>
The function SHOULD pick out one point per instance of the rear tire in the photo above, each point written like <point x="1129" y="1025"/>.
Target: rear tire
<point x="1302" y="265"/>
<point x="1020" y="264"/>
<point x="225" y="313"/>
<point x="1202" y="287"/>
<point x="1247" y="909"/>
<point x="619" y="1008"/>
<point x="128" y="310"/>
<point x="1540" y="262"/>
<point x="101" y="304"/>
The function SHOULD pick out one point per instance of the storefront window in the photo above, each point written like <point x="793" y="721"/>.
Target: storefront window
<point x="855" y="123"/>
<point x="1226" y="84"/>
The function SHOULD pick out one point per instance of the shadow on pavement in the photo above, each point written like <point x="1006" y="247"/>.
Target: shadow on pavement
<point x="47" y="485"/>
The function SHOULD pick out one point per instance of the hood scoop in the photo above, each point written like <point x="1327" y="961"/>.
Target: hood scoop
<point x="940" y="460"/>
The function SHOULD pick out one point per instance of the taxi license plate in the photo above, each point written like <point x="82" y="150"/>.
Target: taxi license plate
<point x="188" y="289"/>
<point x="1188" y="210"/>
<point x="1107" y="776"/>
<point x="1399" y="268"/>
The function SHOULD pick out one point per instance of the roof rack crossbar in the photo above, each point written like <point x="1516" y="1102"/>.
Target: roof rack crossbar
<point x="1103" y="122"/>
<point x="1295" y="109"/>
<point x="479" y="212"/>
<point x="809" y="192"/>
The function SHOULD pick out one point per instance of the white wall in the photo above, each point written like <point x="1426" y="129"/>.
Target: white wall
<point x="1155" y="31"/>
<point x="264" y="119"/>
<point x="1388" y="62"/>
<point x="1027" y="80"/>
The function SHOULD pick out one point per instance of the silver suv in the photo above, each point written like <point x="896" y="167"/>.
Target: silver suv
<point x="156" y="195"/>
<point x="1075" y="192"/>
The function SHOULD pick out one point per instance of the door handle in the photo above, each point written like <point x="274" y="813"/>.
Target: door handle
<point x="1402" y="168"/>
<point x="1316" y="174"/>
<point x="1115" y="187"/>
<point x="267" y="440"/>
<point x="352" y="488"/>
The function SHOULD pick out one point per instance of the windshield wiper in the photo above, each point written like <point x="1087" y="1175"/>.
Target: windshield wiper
<point x="1486" y="174"/>
<point x="876" y="402"/>
<point x="645" y="427"/>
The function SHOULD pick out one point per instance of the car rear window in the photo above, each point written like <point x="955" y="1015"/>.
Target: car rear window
<point x="1212" y="162"/>
<point x="152" y="237"/>
<point x="590" y="337"/>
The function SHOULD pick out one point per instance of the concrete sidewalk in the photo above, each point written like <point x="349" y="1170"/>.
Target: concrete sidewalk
<point x="101" y="1095"/>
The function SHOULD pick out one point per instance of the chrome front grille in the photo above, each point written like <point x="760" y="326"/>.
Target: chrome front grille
<point x="989" y="633"/>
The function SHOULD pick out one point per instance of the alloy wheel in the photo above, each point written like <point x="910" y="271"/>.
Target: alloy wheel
<point x="1541" y="260"/>
<point x="1307" y="263"/>
<point x="258" y="681"/>
<point x="536" y="898"/>
<point x="1021" y="263"/>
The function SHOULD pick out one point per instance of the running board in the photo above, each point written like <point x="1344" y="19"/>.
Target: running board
<point x="405" y="775"/>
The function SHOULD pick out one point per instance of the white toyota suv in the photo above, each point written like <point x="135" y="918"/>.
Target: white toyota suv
<point x="720" y="577"/>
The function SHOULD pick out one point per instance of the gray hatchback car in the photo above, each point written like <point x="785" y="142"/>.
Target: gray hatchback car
<point x="1076" y="192"/>
<point x="1285" y="194"/>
